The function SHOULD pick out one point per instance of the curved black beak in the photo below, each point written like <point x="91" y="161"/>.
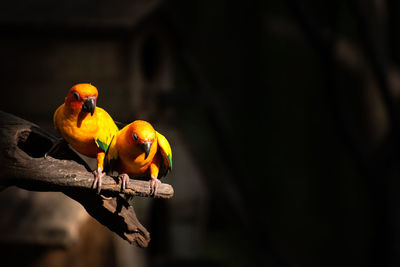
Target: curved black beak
<point x="89" y="105"/>
<point x="146" y="148"/>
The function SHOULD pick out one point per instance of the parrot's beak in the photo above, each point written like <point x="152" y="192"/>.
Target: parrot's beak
<point x="89" y="105"/>
<point x="146" y="148"/>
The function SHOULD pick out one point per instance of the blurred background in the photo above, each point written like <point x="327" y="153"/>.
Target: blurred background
<point x="283" y="118"/>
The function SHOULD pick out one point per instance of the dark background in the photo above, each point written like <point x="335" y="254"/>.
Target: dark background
<point x="287" y="110"/>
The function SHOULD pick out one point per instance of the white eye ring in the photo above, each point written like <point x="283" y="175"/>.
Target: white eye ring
<point x="76" y="96"/>
<point x="134" y="135"/>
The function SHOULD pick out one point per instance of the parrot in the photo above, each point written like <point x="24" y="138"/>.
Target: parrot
<point x="137" y="150"/>
<point x="87" y="128"/>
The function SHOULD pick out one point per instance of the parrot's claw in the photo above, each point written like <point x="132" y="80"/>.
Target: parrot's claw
<point x="98" y="179"/>
<point x="124" y="180"/>
<point x="154" y="183"/>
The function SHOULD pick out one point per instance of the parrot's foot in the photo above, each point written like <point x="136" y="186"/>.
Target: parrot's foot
<point x="98" y="179"/>
<point x="124" y="180"/>
<point x="154" y="183"/>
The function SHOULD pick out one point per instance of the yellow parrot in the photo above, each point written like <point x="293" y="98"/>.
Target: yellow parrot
<point x="138" y="150"/>
<point x="87" y="128"/>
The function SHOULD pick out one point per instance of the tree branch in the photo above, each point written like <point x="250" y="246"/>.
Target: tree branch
<point x="22" y="149"/>
<point x="22" y="164"/>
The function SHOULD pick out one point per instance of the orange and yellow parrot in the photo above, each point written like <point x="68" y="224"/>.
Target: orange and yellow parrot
<point x="87" y="128"/>
<point x="138" y="150"/>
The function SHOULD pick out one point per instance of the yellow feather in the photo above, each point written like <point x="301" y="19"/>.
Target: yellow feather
<point x="106" y="127"/>
<point x="165" y="150"/>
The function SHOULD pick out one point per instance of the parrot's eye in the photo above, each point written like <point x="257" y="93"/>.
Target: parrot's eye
<point x="134" y="135"/>
<point x="76" y="96"/>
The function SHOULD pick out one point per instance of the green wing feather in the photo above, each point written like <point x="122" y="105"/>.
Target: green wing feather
<point x="102" y="145"/>
<point x="107" y="129"/>
<point x="170" y="161"/>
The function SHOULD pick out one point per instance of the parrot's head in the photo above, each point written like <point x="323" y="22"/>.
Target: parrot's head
<point x="82" y="97"/>
<point x="142" y="136"/>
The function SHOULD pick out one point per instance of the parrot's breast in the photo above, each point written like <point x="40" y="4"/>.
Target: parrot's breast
<point x="135" y="164"/>
<point x="81" y="142"/>
<point x="79" y="134"/>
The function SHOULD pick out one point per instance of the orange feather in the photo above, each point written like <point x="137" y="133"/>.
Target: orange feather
<point x="80" y="129"/>
<point x="127" y="152"/>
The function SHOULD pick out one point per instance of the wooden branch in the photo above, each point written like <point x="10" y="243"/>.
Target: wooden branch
<point x="116" y="214"/>
<point x="52" y="174"/>
<point x="22" y="149"/>
<point x="22" y="164"/>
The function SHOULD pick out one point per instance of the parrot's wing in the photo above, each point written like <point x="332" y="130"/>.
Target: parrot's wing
<point x="107" y="129"/>
<point x="57" y="117"/>
<point x="166" y="153"/>
<point x="112" y="156"/>
<point x="112" y="153"/>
